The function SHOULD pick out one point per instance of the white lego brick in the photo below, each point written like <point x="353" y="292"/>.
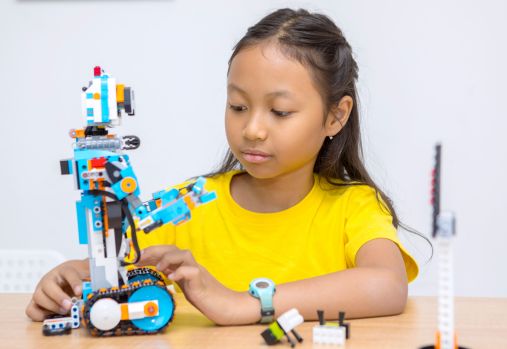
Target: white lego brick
<point x="328" y="334"/>
<point x="136" y="309"/>
<point x="61" y="322"/>
<point x="290" y="320"/>
<point x="74" y="314"/>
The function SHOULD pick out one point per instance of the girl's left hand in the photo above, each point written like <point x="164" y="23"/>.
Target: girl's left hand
<point x="201" y="289"/>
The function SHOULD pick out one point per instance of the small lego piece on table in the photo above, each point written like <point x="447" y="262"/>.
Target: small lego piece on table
<point x="330" y="333"/>
<point x="49" y="330"/>
<point x="58" y="324"/>
<point x="285" y="323"/>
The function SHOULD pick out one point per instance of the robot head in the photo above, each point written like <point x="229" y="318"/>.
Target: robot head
<point x="104" y="101"/>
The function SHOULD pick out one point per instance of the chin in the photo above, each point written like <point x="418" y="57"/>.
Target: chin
<point x="260" y="172"/>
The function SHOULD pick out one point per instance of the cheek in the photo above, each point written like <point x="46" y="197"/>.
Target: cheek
<point x="301" y="141"/>
<point x="232" y="131"/>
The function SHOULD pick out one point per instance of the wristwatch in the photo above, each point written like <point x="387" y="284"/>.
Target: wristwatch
<point x="264" y="289"/>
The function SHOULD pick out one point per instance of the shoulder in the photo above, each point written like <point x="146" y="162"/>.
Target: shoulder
<point x="352" y="196"/>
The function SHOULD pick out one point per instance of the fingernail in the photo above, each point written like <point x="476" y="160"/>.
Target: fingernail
<point x="66" y="304"/>
<point x="170" y="276"/>
<point x="77" y="290"/>
<point x="62" y="311"/>
<point x="157" y="266"/>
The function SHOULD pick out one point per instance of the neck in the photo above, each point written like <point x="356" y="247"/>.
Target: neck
<point x="272" y="194"/>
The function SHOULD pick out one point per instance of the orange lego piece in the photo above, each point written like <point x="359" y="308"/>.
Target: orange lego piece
<point x="189" y="202"/>
<point x="77" y="133"/>
<point x="128" y="185"/>
<point x="124" y="311"/>
<point x="120" y="93"/>
<point x="150" y="309"/>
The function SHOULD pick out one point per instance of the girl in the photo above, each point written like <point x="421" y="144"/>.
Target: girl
<point x="295" y="202"/>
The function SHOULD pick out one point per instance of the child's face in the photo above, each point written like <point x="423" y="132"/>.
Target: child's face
<point x="274" y="108"/>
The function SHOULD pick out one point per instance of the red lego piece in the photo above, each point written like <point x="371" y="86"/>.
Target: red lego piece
<point x="98" y="162"/>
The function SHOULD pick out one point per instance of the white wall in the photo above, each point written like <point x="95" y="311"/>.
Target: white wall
<point x="429" y="71"/>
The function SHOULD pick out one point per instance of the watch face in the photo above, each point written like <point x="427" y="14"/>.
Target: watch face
<point x="262" y="284"/>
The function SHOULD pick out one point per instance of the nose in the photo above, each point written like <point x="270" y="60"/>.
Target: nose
<point x="255" y="128"/>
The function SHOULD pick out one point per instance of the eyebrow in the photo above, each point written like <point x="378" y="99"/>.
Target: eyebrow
<point x="279" y="93"/>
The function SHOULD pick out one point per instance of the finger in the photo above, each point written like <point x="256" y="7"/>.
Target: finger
<point x="36" y="313"/>
<point x="59" y="296"/>
<point x="187" y="275"/>
<point x="173" y="260"/>
<point x="153" y="254"/>
<point x="72" y="277"/>
<point x="44" y="301"/>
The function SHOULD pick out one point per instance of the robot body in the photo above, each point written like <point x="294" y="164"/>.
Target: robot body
<point x="120" y="298"/>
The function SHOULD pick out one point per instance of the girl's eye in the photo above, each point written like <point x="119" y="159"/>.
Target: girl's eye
<point x="237" y="107"/>
<point x="280" y="113"/>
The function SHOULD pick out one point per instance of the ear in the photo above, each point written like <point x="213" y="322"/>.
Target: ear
<point x="339" y="115"/>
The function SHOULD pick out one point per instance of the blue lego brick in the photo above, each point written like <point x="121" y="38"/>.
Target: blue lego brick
<point x="71" y="168"/>
<point x="104" y="96"/>
<point x="158" y="194"/>
<point x="208" y="197"/>
<point x="128" y="172"/>
<point x="169" y="196"/>
<point x="198" y="185"/>
<point x="89" y="95"/>
<point x="88" y="154"/>
<point x="120" y="194"/>
<point x="87" y="289"/>
<point x="141" y="211"/>
<point x="81" y="223"/>
<point x="152" y="205"/>
<point x="82" y="166"/>
<point x="174" y="213"/>
<point x="89" y="111"/>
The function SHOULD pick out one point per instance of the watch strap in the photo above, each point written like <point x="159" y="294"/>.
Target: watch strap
<point x="267" y="309"/>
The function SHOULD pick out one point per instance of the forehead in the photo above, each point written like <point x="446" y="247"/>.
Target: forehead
<point x="263" y="69"/>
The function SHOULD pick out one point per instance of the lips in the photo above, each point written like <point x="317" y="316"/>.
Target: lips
<point x="255" y="156"/>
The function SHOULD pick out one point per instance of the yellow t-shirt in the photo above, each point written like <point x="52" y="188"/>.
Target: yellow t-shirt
<point x="319" y="235"/>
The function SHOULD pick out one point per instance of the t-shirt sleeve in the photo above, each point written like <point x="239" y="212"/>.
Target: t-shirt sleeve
<point x="367" y="220"/>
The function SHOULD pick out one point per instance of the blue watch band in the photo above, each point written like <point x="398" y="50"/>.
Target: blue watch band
<point x="264" y="289"/>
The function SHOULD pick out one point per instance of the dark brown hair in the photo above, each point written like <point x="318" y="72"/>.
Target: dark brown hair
<point x="316" y="42"/>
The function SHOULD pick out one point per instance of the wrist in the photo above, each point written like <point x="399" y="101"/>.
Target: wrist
<point x="245" y="309"/>
<point x="233" y="308"/>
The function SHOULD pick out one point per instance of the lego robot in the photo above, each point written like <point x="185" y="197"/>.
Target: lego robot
<point x="120" y="299"/>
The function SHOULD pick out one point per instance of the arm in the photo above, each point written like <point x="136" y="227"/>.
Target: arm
<point x="377" y="286"/>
